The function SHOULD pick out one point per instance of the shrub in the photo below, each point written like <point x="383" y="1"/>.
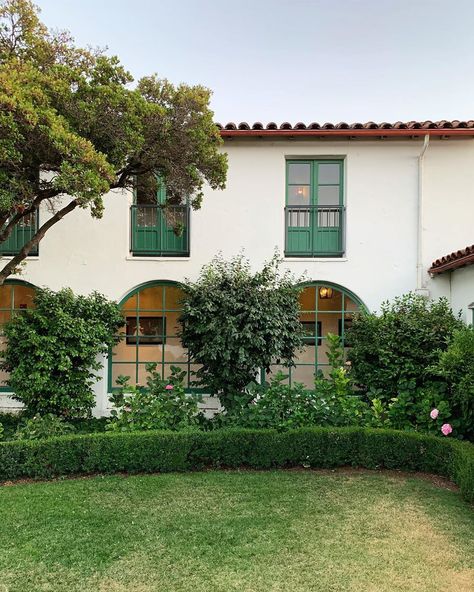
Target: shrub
<point x="52" y="351"/>
<point x="43" y="426"/>
<point x="1" y="431"/>
<point x="235" y="322"/>
<point x="396" y="350"/>
<point x="281" y="406"/>
<point x="179" y="451"/>
<point x="162" y="405"/>
<point x="456" y="367"/>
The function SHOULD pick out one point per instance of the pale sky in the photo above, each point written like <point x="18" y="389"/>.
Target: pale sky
<point x="293" y="60"/>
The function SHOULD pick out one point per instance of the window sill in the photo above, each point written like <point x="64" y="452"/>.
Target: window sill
<point x="29" y="257"/>
<point x="317" y="259"/>
<point x="156" y="258"/>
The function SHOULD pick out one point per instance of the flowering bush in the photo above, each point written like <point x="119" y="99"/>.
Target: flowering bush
<point x="446" y="429"/>
<point x="281" y="406"/>
<point x="161" y="405"/>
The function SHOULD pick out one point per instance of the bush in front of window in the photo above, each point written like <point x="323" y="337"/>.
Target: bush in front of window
<point x="52" y="351"/>
<point x="456" y="368"/>
<point x="398" y="347"/>
<point x="161" y="405"/>
<point x="235" y="322"/>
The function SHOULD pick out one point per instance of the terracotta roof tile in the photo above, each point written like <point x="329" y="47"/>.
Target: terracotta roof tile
<point x="453" y="261"/>
<point x="367" y="128"/>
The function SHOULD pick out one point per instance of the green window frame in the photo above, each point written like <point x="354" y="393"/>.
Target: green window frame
<point x="314" y="211"/>
<point x="342" y="304"/>
<point x="15" y="306"/>
<point x="153" y="226"/>
<point x="22" y="232"/>
<point x="142" y="353"/>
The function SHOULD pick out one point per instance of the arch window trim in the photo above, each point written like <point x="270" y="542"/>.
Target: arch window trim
<point x="135" y="312"/>
<point x="11" y="309"/>
<point x="319" y="335"/>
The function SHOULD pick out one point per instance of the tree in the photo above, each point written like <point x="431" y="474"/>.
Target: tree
<point x="52" y="351"/>
<point x="235" y="322"/>
<point x="72" y="128"/>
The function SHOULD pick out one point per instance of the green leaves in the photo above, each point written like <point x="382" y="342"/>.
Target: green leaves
<point x="52" y="351"/>
<point x="235" y="322"/>
<point x="161" y="405"/>
<point x="71" y="124"/>
<point x="399" y="346"/>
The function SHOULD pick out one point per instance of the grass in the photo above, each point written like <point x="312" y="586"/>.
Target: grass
<point x="236" y="531"/>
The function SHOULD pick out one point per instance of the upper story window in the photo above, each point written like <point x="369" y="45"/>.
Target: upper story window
<point x="24" y="231"/>
<point x="314" y="213"/>
<point x="157" y="230"/>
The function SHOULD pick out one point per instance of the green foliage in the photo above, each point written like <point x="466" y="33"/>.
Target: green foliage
<point x="235" y="322"/>
<point x="395" y="351"/>
<point x="73" y="112"/>
<point x="162" y="405"/>
<point x="456" y="367"/>
<point x="179" y="451"/>
<point x="1" y="432"/>
<point x="281" y="406"/>
<point x="52" y="351"/>
<point x="43" y="426"/>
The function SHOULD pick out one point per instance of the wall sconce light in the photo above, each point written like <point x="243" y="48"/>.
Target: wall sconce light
<point x="325" y="292"/>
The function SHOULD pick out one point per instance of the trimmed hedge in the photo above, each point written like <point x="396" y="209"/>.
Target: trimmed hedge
<point x="260" y="449"/>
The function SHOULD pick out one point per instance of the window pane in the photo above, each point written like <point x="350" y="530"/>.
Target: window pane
<point x="24" y="296"/>
<point x="6" y="296"/>
<point x="308" y="299"/>
<point x="328" y="173"/>
<point x="298" y="196"/>
<point x="146" y="189"/>
<point x="131" y="303"/>
<point x="299" y="173"/>
<point x="174" y="297"/>
<point x="151" y="298"/>
<point x="328" y="195"/>
<point x="304" y="375"/>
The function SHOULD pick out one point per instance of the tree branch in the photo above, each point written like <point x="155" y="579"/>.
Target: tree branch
<point x="33" y="242"/>
<point x="13" y="220"/>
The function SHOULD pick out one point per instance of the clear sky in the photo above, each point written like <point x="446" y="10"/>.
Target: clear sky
<point x="293" y="60"/>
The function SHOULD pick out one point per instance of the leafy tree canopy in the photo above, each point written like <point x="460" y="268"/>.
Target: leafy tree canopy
<point x="72" y="123"/>
<point x="236" y="321"/>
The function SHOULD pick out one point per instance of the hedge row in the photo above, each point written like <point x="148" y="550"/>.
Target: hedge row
<point x="260" y="449"/>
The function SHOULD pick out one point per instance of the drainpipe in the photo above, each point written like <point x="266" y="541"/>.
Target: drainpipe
<point x="420" y="285"/>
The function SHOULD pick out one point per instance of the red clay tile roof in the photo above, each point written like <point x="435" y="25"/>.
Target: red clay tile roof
<point x="370" y="128"/>
<point x="453" y="261"/>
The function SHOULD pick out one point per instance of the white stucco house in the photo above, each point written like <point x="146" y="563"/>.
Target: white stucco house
<point x="365" y="211"/>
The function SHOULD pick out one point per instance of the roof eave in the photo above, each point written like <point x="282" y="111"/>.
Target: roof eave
<point x="452" y="265"/>
<point x="349" y="133"/>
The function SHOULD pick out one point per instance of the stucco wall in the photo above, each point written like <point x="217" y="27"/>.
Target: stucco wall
<point x="381" y="192"/>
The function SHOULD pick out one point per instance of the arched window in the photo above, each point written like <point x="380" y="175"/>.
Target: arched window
<point x="15" y="296"/>
<point x="325" y="308"/>
<point x="151" y="314"/>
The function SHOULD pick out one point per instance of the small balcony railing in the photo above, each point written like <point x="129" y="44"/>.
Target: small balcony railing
<point x="314" y="231"/>
<point x="159" y="231"/>
<point x="24" y="231"/>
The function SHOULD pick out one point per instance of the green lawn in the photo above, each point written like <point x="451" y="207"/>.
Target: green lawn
<point x="236" y="531"/>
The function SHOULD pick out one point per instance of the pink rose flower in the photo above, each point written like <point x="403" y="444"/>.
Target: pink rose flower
<point x="446" y="429"/>
<point x="434" y="413"/>
<point x="169" y="387"/>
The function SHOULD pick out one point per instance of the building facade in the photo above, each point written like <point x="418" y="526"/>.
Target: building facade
<point x="359" y="213"/>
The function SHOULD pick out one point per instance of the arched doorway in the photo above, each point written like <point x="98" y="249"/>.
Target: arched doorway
<point x="150" y="333"/>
